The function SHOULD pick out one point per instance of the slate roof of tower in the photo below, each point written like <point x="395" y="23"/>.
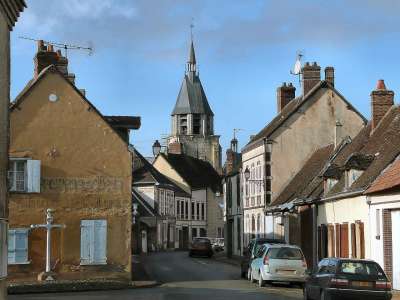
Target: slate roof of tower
<point x="191" y="98"/>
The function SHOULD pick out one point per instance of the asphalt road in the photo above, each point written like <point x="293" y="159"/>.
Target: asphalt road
<point x="185" y="278"/>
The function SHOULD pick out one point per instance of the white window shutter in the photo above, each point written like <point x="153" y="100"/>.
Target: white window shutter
<point x="33" y="176"/>
<point x="100" y="241"/>
<point x="86" y="229"/>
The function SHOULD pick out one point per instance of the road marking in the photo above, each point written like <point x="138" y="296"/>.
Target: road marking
<point x="201" y="262"/>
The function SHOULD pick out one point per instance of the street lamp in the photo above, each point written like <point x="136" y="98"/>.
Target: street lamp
<point x="247" y="177"/>
<point x="135" y="212"/>
<point x="156" y="148"/>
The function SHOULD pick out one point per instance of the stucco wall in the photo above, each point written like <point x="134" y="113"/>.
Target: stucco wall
<point x="165" y="168"/>
<point x="347" y="210"/>
<point x="215" y="217"/>
<point x="379" y="203"/>
<point x="85" y="174"/>
<point x="305" y="132"/>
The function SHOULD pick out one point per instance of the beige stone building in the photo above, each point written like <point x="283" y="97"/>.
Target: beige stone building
<point x="65" y="155"/>
<point x="318" y="117"/>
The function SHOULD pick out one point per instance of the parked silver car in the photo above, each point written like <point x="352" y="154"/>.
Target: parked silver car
<point x="278" y="262"/>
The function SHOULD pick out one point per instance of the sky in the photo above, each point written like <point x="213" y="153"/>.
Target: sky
<point x="245" y="49"/>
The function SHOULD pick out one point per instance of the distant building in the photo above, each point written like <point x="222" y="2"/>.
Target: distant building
<point x="157" y="198"/>
<point x="65" y="155"/>
<point x="201" y="214"/>
<point x="233" y="211"/>
<point x="193" y="120"/>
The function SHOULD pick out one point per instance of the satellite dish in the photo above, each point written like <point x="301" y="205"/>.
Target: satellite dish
<point x="297" y="64"/>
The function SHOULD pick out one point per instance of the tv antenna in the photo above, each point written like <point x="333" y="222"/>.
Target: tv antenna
<point x="235" y="130"/>
<point x="64" y="46"/>
<point x="297" y="65"/>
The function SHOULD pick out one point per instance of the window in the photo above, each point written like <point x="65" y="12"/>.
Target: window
<point x="285" y="253"/>
<point x="24" y="175"/>
<point x="203" y="213"/>
<point x="93" y="242"/>
<point x="329" y="184"/>
<point x="203" y="232"/>
<point x="352" y="176"/>
<point x="198" y="211"/>
<point x="193" y="215"/>
<point x="177" y="209"/>
<point x="186" y="210"/>
<point x="18" y="246"/>
<point x="196" y="123"/>
<point x="183" y="124"/>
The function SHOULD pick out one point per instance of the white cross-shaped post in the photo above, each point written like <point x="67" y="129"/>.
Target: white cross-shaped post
<point x="48" y="226"/>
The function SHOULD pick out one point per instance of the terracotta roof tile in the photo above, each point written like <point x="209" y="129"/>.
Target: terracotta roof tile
<point x="388" y="180"/>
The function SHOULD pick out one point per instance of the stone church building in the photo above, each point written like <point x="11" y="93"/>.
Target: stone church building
<point x="193" y="120"/>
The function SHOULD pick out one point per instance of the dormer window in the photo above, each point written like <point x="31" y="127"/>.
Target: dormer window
<point x="329" y="184"/>
<point x="352" y="175"/>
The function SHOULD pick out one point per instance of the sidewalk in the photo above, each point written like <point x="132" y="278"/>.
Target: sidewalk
<point x="140" y="279"/>
<point x="396" y="295"/>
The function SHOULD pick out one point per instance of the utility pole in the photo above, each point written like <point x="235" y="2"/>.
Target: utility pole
<point x="8" y="17"/>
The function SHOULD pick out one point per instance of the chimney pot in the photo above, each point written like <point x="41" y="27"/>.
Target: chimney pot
<point x="50" y="48"/>
<point x="330" y="75"/>
<point x="381" y="101"/>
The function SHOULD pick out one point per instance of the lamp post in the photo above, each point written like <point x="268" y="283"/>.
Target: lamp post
<point x="156" y="148"/>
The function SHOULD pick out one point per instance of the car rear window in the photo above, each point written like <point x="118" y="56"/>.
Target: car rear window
<point x="285" y="253"/>
<point x="360" y="268"/>
<point x="201" y="241"/>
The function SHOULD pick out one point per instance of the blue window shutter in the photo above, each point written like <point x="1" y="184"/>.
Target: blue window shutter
<point x="33" y="176"/>
<point x="100" y="241"/>
<point x="21" y="245"/>
<point x="11" y="246"/>
<point x="86" y="229"/>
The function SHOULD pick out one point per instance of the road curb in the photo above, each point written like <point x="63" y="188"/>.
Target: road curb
<point x="76" y="286"/>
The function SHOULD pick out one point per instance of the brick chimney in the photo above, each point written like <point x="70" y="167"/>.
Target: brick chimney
<point x="284" y="94"/>
<point x="381" y="101"/>
<point x="311" y="76"/>
<point x="330" y="75"/>
<point x="175" y="148"/>
<point x="46" y="56"/>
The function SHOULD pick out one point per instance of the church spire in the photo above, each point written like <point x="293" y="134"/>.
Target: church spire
<point x="191" y="63"/>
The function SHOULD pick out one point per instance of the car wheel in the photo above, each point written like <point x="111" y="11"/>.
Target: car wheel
<point x="261" y="282"/>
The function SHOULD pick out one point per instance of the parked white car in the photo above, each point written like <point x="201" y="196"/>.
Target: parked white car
<point x="278" y="263"/>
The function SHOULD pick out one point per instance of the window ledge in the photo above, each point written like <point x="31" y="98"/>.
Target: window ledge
<point x="20" y="263"/>
<point x="93" y="264"/>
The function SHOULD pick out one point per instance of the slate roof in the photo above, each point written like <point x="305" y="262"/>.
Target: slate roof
<point x="11" y="10"/>
<point x="197" y="173"/>
<point x="191" y="98"/>
<point x="145" y="173"/>
<point x="388" y="180"/>
<point x="299" y="186"/>
<point x="292" y="107"/>
<point x="383" y="144"/>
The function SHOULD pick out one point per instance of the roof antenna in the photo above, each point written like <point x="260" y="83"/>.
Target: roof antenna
<point x="297" y="65"/>
<point x="64" y="46"/>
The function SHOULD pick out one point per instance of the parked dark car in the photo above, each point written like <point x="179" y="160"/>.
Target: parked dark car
<point x="201" y="246"/>
<point x="337" y="278"/>
<point x="250" y="250"/>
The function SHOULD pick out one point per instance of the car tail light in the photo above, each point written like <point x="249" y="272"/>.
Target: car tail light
<point x="266" y="260"/>
<point x="337" y="282"/>
<point x="383" y="285"/>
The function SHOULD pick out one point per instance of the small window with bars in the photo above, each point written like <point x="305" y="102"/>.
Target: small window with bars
<point x="17" y="176"/>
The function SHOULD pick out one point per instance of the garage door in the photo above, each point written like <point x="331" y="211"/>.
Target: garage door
<point x="396" y="248"/>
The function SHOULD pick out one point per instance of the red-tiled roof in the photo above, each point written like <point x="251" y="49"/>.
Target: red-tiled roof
<point x="388" y="180"/>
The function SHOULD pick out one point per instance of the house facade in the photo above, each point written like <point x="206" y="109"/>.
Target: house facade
<point x="193" y="120"/>
<point x="383" y="199"/>
<point x="317" y="118"/>
<point x="66" y="156"/>
<point x="233" y="212"/>
<point x="199" y="215"/>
